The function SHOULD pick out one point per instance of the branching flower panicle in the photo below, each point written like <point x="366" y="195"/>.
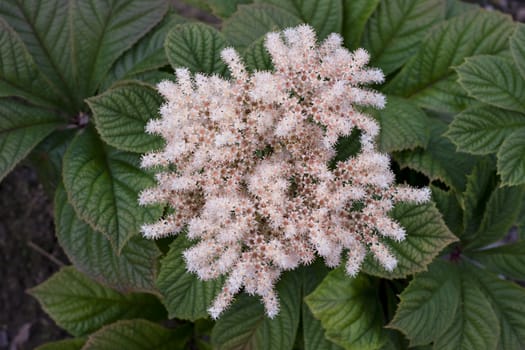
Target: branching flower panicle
<point x="253" y="181"/>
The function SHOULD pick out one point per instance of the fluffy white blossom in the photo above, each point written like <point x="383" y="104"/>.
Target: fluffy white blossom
<point x="252" y="176"/>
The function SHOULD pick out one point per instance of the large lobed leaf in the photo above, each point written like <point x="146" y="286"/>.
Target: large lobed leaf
<point x="439" y="160"/>
<point x="459" y="306"/>
<point x="428" y="78"/>
<point x="121" y="115"/>
<point x="517" y="48"/>
<point x="184" y="295"/>
<point x="134" y="269"/>
<point x="349" y="311"/>
<point x="511" y="159"/>
<point x="324" y="16"/>
<point x="138" y="335"/>
<point x="355" y="16"/>
<point x="103" y="184"/>
<point x="252" y="22"/>
<point x="403" y="125"/>
<point x="196" y="46"/>
<point x="82" y="306"/>
<point x="395" y="30"/>
<point x="508" y="260"/>
<point x="22" y="127"/>
<point x="245" y="325"/>
<point x="427" y="235"/>
<point x="102" y="30"/>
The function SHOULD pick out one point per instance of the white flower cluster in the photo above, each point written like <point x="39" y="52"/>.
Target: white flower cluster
<point x="249" y="167"/>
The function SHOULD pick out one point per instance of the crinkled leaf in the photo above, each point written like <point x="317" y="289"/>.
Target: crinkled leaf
<point x="121" y="115"/>
<point x="146" y="55"/>
<point x="439" y="160"/>
<point x="500" y="215"/>
<point x="426" y="236"/>
<point x="428" y="78"/>
<point x="493" y="80"/>
<point x="251" y="22"/>
<point x="66" y="344"/>
<point x="103" y="184"/>
<point x="257" y="57"/>
<point x="45" y="30"/>
<point x="403" y="125"/>
<point x="395" y="30"/>
<point x="313" y="332"/>
<point x="225" y="9"/>
<point x="448" y="205"/>
<point x="428" y="304"/>
<point x="349" y="310"/>
<point x="355" y="16"/>
<point x="19" y="76"/>
<point x="458" y="7"/>
<point x="517" y="48"/>
<point x="102" y="30"/>
<point x="134" y="269"/>
<point x="184" y="294"/>
<point x="22" y="127"/>
<point x="482" y="130"/>
<point x="508" y="260"/>
<point x="511" y="159"/>
<point x="196" y="46"/>
<point x="506" y="299"/>
<point x="324" y="16"/>
<point x="82" y="306"/>
<point x="138" y="335"/>
<point x="245" y="325"/>
<point x="480" y="184"/>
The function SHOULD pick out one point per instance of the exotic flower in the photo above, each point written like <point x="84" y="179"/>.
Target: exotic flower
<point x="248" y="167"/>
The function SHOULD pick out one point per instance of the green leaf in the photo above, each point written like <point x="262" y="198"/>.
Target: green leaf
<point x="427" y="235"/>
<point x="482" y="130"/>
<point x="355" y="16"/>
<point x="103" y="30"/>
<point x="428" y="304"/>
<point x="121" y="115"/>
<point x="475" y="324"/>
<point x="508" y="260"/>
<point x="395" y="30"/>
<point x="448" y="205"/>
<point x="458" y="7"/>
<point x="22" y="127"/>
<point x="138" y="335"/>
<point x="428" y="78"/>
<point x="134" y="269"/>
<point x="439" y="161"/>
<point x="103" y="184"/>
<point x="81" y="306"/>
<point x="517" y="48"/>
<point x="313" y="332"/>
<point x="146" y="55"/>
<point x="257" y="57"/>
<point x="252" y="22"/>
<point x="245" y="325"/>
<point x="184" y="294"/>
<point x="511" y="159"/>
<point x="324" y="16"/>
<point x="67" y="344"/>
<point x="445" y="305"/>
<point x="225" y="9"/>
<point x="493" y="80"/>
<point x="403" y="125"/>
<point x="19" y="76"/>
<point x="44" y="28"/>
<point x="349" y="310"/>
<point x="506" y="298"/>
<point x="480" y="184"/>
<point x="196" y="46"/>
<point x="500" y="215"/>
